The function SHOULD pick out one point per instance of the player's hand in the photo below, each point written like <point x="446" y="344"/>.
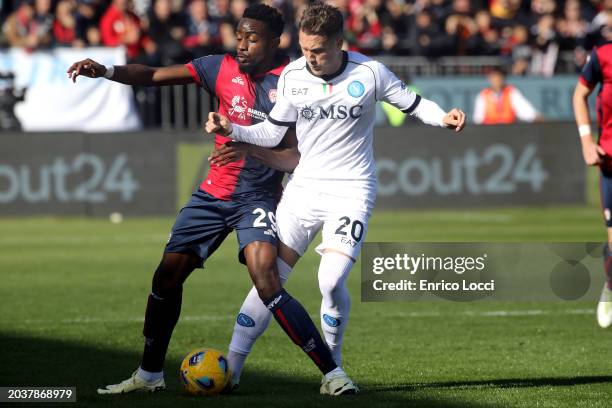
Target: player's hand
<point x="228" y="153"/>
<point x="592" y="153"/>
<point x="88" y="68"/>
<point x="218" y="124"/>
<point x="455" y="119"/>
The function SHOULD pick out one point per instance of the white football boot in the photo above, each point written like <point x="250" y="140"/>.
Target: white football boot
<point x="134" y="383"/>
<point x="339" y="384"/>
<point x="604" y="308"/>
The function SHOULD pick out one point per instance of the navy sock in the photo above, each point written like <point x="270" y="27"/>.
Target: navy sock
<point x="608" y="266"/>
<point x="298" y="325"/>
<point x="160" y="318"/>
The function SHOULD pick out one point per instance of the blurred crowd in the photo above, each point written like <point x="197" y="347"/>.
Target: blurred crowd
<point x="530" y="34"/>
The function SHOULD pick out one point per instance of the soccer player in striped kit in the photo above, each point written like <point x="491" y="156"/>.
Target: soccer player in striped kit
<point x="598" y="71"/>
<point x="241" y="196"/>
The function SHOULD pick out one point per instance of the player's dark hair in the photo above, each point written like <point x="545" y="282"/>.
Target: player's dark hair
<point x="322" y="19"/>
<point x="268" y="15"/>
<point x="498" y="70"/>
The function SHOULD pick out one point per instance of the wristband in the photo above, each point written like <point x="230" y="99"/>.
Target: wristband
<point x="110" y="71"/>
<point x="584" y="130"/>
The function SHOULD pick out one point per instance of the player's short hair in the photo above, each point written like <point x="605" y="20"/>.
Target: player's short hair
<point x="322" y="19"/>
<point x="498" y="70"/>
<point x="268" y="15"/>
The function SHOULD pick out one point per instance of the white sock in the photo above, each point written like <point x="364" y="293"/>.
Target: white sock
<point x="236" y="363"/>
<point x="336" y="302"/>
<point x="334" y="372"/>
<point x="148" y="376"/>
<point x="253" y="319"/>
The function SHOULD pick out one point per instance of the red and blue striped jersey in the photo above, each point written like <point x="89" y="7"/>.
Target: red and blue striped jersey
<point x="598" y="70"/>
<point x="245" y="100"/>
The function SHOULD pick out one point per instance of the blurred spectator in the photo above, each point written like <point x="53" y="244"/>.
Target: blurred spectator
<point x="65" y="25"/>
<point x="395" y="28"/>
<point x="427" y="38"/>
<point x="487" y="39"/>
<point x="88" y="16"/>
<point x="521" y="51"/>
<point x="506" y="12"/>
<point x="461" y="27"/>
<point x="227" y="37"/>
<point x="502" y="103"/>
<point x="540" y="8"/>
<point x="30" y="25"/>
<point x="120" y="26"/>
<point x="237" y="8"/>
<point x="571" y="26"/>
<point x="167" y="31"/>
<point x="142" y="7"/>
<point x="546" y="49"/>
<point x="219" y="11"/>
<point x="529" y="35"/>
<point x="202" y="33"/>
<point x="43" y="23"/>
<point x="365" y="26"/>
<point x="17" y="27"/>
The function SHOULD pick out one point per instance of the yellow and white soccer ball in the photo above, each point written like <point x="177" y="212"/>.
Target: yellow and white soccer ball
<point x="205" y="371"/>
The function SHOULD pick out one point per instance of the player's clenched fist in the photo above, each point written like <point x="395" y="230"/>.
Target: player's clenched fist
<point x="88" y="68"/>
<point x="455" y="119"/>
<point x="218" y="124"/>
<point x="591" y="151"/>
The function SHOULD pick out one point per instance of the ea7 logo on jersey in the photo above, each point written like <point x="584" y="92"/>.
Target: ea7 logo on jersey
<point x="299" y="91"/>
<point x="239" y="107"/>
<point x="331" y="112"/>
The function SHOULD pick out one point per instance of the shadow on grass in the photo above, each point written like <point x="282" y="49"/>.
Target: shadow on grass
<point x="497" y="383"/>
<point x="29" y="361"/>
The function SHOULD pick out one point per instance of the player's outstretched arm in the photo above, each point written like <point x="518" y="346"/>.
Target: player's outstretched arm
<point x="431" y="114"/>
<point x="265" y="134"/>
<point x="132" y="74"/>
<point x="591" y="151"/>
<point x="284" y="157"/>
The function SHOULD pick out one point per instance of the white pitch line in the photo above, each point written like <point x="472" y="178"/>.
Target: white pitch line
<point x="488" y="313"/>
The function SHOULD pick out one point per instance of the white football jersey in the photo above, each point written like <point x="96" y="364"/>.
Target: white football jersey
<point x="334" y="118"/>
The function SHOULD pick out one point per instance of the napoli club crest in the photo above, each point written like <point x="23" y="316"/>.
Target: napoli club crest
<point x="272" y="95"/>
<point x="356" y="89"/>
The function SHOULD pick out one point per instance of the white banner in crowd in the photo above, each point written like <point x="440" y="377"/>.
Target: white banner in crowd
<point x="54" y="103"/>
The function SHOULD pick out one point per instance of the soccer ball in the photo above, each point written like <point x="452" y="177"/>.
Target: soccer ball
<point x="205" y="371"/>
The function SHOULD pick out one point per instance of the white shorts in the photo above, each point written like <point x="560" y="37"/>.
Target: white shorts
<point x="303" y="212"/>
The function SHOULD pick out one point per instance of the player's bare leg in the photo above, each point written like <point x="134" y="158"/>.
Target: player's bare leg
<point x="604" y="307"/>
<point x="161" y="316"/>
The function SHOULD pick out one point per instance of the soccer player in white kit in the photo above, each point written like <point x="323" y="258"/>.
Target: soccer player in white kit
<point x="329" y="96"/>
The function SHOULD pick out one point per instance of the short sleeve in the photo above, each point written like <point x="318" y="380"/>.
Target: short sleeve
<point x="284" y="112"/>
<point x="394" y="91"/>
<point x="205" y="71"/>
<point x="591" y="72"/>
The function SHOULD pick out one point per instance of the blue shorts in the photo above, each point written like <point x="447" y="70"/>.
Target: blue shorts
<point x="202" y="225"/>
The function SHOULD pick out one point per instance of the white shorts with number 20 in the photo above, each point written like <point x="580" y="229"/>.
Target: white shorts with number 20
<point x="341" y="213"/>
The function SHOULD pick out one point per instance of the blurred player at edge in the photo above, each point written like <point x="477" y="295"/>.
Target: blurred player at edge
<point x="329" y="96"/>
<point x="598" y="70"/>
<point x="242" y="196"/>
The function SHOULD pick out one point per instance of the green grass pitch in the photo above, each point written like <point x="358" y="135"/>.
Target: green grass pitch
<point x="74" y="290"/>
